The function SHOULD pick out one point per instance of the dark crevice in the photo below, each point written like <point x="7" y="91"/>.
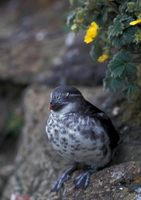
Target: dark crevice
<point x="11" y="123"/>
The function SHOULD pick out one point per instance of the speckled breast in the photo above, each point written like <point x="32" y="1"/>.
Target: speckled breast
<point x="79" y="139"/>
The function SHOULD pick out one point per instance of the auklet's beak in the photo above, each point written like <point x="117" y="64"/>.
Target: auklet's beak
<point x="50" y="106"/>
<point x="54" y="106"/>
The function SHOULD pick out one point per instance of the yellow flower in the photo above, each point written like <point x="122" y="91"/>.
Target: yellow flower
<point x="91" y="32"/>
<point x="133" y="23"/>
<point x="103" y="58"/>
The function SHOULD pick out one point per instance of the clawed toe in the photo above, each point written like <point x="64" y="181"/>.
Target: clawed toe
<point x="56" y="186"/>
<point x="60" y="181"/>
<point x="82" y="181"/>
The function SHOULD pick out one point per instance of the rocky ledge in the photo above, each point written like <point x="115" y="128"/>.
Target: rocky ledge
<point x="121" y="181"/>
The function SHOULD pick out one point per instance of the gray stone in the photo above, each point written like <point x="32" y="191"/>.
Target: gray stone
<point x="35" y="49"/>
<point x="117" y="182"/>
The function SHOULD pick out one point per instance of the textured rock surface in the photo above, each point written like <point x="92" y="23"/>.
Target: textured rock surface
<point x="5" y="173"/>
<point x="117" y="182"/>
<point x="34" y="168"/>
<point x="35" y="48"/>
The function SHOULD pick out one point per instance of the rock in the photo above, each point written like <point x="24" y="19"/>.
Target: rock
<point x="34" y="169"/>
<point x="117" y="182"/>
<point x="35" y="50"/>
<point x="127" y="119"/>
<point x="31" y="6"/>
<point x="76" y="61"/>
<point x="10" y="116"/>
<point x="5" y="172"/>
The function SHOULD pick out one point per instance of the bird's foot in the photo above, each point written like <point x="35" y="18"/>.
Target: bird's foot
<point x="83" y="180"/>
<point x="60" y="181"/>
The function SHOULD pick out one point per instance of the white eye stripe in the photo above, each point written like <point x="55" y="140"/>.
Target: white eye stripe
<point x="68" y="94"/>
<point x="75" y="95"/>
<point x="51" y="95"/>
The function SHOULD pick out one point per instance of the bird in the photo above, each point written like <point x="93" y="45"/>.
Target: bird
<point x="81" y="133"/>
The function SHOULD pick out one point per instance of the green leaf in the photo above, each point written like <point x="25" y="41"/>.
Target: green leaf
<point x="121" y="66"/>
<point x="114" y="84"/>
<point x="121" y="72"/>
<point x="121" y="33"/>
<point x="119" y="59"/>
<point x="118" y="71"/>
<point x="126" y="38"/>
<point x="131" y="6"/>
<point x="96" y="50"/>
<point x="70" y="18"/>
<point x="132" y="90"/>
<point x="117" y="28"/>
<point x="130" y="69"/>
<point x="134" y="6"/>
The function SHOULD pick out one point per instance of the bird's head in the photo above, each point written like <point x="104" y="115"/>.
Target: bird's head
<point x="65" y="99"/>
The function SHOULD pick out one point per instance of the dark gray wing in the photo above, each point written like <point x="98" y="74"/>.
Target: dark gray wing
<point x="106" y="123"/>
<point x="110" y="129"/>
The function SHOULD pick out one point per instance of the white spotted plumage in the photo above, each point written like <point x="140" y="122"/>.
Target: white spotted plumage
<point x="78" y="146"/>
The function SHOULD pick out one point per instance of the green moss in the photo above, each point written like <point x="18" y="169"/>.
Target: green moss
<point x="14" y="124"/>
